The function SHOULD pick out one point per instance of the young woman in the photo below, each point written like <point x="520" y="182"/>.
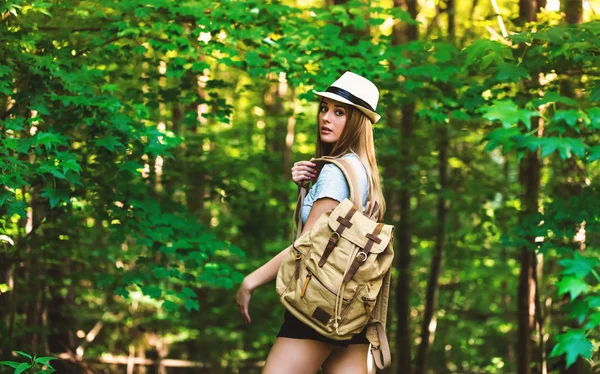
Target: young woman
<point x="346" y="115"/>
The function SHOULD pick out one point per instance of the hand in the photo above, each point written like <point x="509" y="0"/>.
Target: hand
<point x="242" y="299"/>
<point x="303" y="171"/>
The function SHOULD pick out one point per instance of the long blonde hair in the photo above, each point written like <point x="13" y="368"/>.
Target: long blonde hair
<point x="357" y="137"/>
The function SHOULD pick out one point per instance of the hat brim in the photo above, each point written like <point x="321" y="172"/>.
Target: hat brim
<point x="374" y="117"/>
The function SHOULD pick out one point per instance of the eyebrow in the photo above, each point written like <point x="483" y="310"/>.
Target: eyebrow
<point x="336" y="105"/>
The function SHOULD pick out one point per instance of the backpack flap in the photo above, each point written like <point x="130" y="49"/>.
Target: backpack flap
<point x="361" y="228"/>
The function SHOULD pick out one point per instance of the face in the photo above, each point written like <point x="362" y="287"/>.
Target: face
<point x="332" y="120"/>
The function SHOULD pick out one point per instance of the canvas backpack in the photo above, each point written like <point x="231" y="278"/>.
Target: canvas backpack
<point x="336" y="278"/>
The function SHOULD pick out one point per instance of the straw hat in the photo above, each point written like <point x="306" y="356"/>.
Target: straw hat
<point x="357" y="91"/>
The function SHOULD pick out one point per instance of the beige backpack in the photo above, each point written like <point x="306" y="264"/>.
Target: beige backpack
<point x="336" y="278"/>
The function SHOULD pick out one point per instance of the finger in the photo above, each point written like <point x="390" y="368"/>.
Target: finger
<point x="306" y="168"/>
<point x="246" y="315"/>
<point x="243" y="313"/>
<point x="303" y="173"/>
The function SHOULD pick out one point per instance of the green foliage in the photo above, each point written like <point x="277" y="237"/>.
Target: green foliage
<point x="144" y="141"/>
<point x="36" y="365"/>
<point x="572" y="344"/>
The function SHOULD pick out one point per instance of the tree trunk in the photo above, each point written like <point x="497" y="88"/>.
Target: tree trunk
<point x="529" y="176"/>
<point x="573" y="11"/>
<point x="451" y="11"/>
<point x="427" y="331"/>
<point x="290" y="134"/>
<point x="401" y="35"/>
<point x="273" y="99"/>
<point x="573" y="15"/>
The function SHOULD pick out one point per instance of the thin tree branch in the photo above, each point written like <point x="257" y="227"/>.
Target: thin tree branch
<point x="501" y="39"/>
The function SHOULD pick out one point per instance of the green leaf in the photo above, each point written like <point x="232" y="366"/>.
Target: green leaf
<point x="573" y="285"/>
<point x="571" y="145"/>
<point x="485" y="52"/>
<point x="108" y="142"/>
<point x="553" y="97"/>
<point x="12" y="364"/>
<point x="580" y="266"/>
<point x="152" y="291"/>
<point x="41" y="108"/>
<point x="110" y="88"/>
<point x="594" y="116"/>
<point x="132" y="167"/>
<point x="191" y="304"/>
<point x="595" y="93"/>
<point x="502" y="137"/>
<point x="21" y="368"/>
<point x="44" y="360"/>
<point x="5" y="71"/>
<point x="573" y="343"/>
<point x="170" y="306"/>
<point x="593" y="301"/>
<point x="70" y="165"/>
<point x="593" y="321"/>
<point x="594" y="153"/>
<point x="549" y="145"/>
<point x="578" y="310"/>
<point x="55" y="196"/>
<point x="570" y="116"/>
<point x="18" y="207"/>
<point x="15" y="124"/>
<point x="24" y="354"/>
<point x="511" y="73"/>
<point x="51" y="170"/>
<point x="508" y="113"/>
<point x="49" y="139"/>
<point x="188" y="292"/>
<point x="120" y="291"/>
<point x="39" y="7"/>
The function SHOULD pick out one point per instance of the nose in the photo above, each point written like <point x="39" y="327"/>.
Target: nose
<point x="326" y="116"/>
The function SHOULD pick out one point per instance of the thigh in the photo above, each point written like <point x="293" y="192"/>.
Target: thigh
<point x="300" y="356"/>
<point x="350" y="360"/>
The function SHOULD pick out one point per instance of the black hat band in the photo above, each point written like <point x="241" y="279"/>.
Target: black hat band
<point x="348" y="96"/>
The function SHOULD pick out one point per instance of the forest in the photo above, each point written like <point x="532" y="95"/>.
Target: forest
<point x="145" y="155"/>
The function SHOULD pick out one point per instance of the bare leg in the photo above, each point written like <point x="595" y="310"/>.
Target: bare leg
<point x="350" y="360"/>
<point x="301" y="356"/>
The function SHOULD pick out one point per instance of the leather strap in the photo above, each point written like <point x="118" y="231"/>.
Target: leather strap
<point x="380" y="348"/>
<point x="297" y="219"/>
<point x="353" y="180"/>
<point x="361" y="256"/>
<point x="335" y="236"/>
<point x="348" y="171"/>
<point x="381" y="355"/>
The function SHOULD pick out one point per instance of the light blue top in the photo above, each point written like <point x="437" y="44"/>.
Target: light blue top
<point x="332" y="183"/>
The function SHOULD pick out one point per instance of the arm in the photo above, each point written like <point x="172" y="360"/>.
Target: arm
<point x="268" y="271"/>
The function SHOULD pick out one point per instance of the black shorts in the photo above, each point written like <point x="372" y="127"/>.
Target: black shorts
<point x="292" y="327"/>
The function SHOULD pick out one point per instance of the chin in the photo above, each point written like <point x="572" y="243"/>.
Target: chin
<point x="328" y="139"/>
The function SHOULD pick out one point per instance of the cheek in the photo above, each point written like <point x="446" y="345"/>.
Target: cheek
<point x="341" y="124"/>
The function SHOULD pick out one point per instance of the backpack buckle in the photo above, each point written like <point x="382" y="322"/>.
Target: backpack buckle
<point x="361" y="259"/>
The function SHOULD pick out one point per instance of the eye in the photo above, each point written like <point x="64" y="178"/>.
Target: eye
<point x="339" y="112"/>
<point x="323" y="109"/>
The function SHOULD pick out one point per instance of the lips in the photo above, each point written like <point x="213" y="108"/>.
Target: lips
<point x="326" y="130"/>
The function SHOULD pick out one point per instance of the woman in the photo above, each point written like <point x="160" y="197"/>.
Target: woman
<point x="346" y="115"/>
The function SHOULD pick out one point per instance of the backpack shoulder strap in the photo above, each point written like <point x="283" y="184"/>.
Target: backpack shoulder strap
<point x="380" y="348"/>
<point x="350" y="175"/>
